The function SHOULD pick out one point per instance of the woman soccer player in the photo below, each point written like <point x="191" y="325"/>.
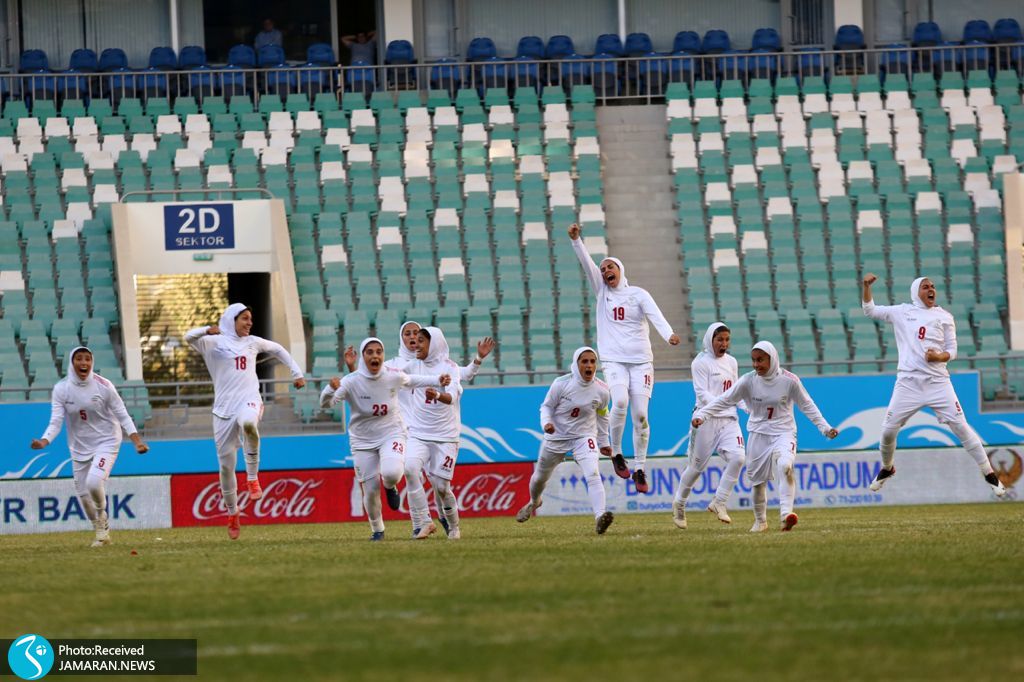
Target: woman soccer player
<point x="435" y="425"/>
<point x="95" y="415"/>
<point x="230" y="350"/>
<point x="623" y="338"/>
<point x="770" y="393"/>
<point x="377" y="434"/>
<point x="926" y="340"/>
<point x="574" y="416"/>
<point x="714" y="372"/>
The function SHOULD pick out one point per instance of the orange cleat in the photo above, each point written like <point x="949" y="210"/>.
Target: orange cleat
<point x="234" y="526"/>
<point x="255" y="491"/>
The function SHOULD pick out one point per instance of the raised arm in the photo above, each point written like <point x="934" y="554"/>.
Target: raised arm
<point x="483" y="348"/>
<point x="423" y="380"/>
<point x="590" y="269"/>
<point x="332" y="394"/>
<point x="799" y="395"/>
<point x="722" y="403"/>
<point x="875" y="312"/>
<point x="194" y="337"/>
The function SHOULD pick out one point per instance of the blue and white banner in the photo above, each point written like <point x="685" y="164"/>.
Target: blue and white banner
<point x="502" y="425"/>
<point x="199" y="226"/>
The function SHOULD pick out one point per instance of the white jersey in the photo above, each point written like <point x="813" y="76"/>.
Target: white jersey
<point x="770" y="404"/>
<point x="94" y="413"/>
<point x="577" y="410"/>
<point x="374" y="412"/>
<point x="405" y="398"/>
<point x="432" y="420"/>
<point x="231" y="362"/>
<point x="713" y="376"/>
<point x="917" y="329"/>
<point x="622" y="314"/>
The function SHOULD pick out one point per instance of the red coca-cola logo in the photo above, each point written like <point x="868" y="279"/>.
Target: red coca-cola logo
<point x="288" y="497"/>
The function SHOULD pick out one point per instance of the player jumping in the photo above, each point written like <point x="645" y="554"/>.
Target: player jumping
<point x="926" y="340"/>
<point x="623" y="338"/>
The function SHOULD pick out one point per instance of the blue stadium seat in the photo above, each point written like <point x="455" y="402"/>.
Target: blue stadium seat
<point x="162" y="58"/>
<point x="559" y="47"/>
<point x="766" y="39"/>
<point x="242" y="56"/>
<point x="525" y="72"/>
<point x="192" y="57"/>
<point x="977" y="31"/>
<point x="849" y="37"/>
<point x="1010" y="43"/>
<point x="481" y="49"/>
<point x="33" y="61"/>
<point x="113" y="59"/>
<point x="927" y="34"/>
<point x="360" y="80"/>
<point x="1007" y="31"/>
<point x="605" y="76"/>
<point x="609" y="44"/>
<point x="491" y="74"/>
<point x="897" y="59"/>
<point x="686" y="42"/>
<point x="716" y="41"/>
<point x="400" y="52"/>
<point x="978" y="35"/>
<point x="83" y="60"/>
<point x="445" y="75"/>
<point x="638" y="44"/>
<point x="120" y="83"/>
<point x="530" y="47"/>
<point x="42" y="87"/>
<point x="320" y="54"/>
<point x="271" y="56"/>
<point x="765" y="42"/>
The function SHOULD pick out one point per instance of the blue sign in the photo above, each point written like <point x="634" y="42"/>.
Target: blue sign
<point x="503" y="425"/>
<point x="201" y="227"/>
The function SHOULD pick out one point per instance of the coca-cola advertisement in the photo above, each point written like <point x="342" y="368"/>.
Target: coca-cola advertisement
<point x="313" y="496"/>
<point x="481" y="489"/>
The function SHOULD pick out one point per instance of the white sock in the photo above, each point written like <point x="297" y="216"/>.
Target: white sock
<point x="596" y="493"/>
<point x="617" y="418"/>
<point x="730" y="476"/>
<point x="686" y="482"/>
<point x="228" y="482"/>
<point x="371" y="503"/>
<point x="761" y="502"/>
<point x="252" y="465"/>
<point x="787" y="489"/>
<point x="449" y="505"/>
<point x="641" y="429"/>
<point x="973" y="445"/>
<point x="887" y="447"/>
<point x="416" y="496"/>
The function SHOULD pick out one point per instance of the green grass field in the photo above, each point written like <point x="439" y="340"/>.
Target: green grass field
<point x="921" y="593"/>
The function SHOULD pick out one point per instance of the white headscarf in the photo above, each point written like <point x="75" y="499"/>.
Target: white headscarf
<point x="71" y="373"/>
<point x="575" y="368"/>
<point x="362" y="368"/>
<point x="915" y="292"/>
<point x="773" y="367"/>
<point x="403" y="351"/>
<point x="438" y="352"/>
<point x="709" y="337"/>
<point x="227" y="319"/>
<point x="622" y="273"/>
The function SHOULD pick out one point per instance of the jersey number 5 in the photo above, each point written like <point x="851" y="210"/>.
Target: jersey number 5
<point x="84" y="415"/>
<point x="619" y="313"/>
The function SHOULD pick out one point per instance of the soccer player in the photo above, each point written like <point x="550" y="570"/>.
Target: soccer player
<point x="377" y="434"/>
<point x="434" y="428"/>
<point x="95" y="415"/>
<point x="230" y="350"/>
<point x="714" y="372"/>
<point x="574" y="416"/>
<point x="623" y="338"/>
<point x="926" y="340"/>
<point x="770" y="393"/>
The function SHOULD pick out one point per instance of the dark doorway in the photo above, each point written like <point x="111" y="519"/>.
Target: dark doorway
<point x="253" y="289"/>
<point x="231" y="22"/>
<point x="354" y="17"/>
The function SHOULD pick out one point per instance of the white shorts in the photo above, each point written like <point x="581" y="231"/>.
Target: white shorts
<point x="98" y="466"/>
<point x="913" y="393"/>
<point x="715" y="435"/>
<point x="228" y="433"/>
<point x="638" y="378"/>
<point x="368" y="463"/>
<point x="762" y="453"/>
<point x="583" y="450"/>
<point x="435" y="459"/>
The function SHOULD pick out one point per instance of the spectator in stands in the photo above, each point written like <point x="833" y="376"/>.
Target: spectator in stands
<point x="268" y="36"/>
<point x="362" y="46"/>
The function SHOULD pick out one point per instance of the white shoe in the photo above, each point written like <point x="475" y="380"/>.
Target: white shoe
<point x="720" y="511"/>
<point x="524" y="514"/>
<point x="455" y="534"/>
<point x="426" y="531"/>
<point x="102" y="526"/>
<point x="759" y="526"/>
<point x="679" y="514"/>
<point x="881" y="477"/>
<point x="999" y="490"/>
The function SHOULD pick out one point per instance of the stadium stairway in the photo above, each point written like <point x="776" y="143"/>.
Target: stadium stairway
<point x="639" y="203"/>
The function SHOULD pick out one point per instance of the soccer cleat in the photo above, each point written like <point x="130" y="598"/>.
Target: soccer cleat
<point x="679" y="514"/>
<point x="234" y="526"/>
<point x="102" y="526"/>
<point x="619" y="464"/>
<point x="788" y="521"/>
<point x="882" y="476"/>
<point x="759" y="526"/>
<point x="603" y="521"/>
<point x="640" y="480"/>
<point x="455" y="534"/>
<point x="377" y="536"/>
<point x="424" y="532"/>
<point x="524" y="514"/>
<point x="255" y="491"/>
<point x="394" y="499"/>
<point x="997" y="486"/>
<point x="719" y="510"/>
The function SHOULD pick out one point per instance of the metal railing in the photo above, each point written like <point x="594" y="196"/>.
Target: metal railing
<point x="613" y="78"/>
